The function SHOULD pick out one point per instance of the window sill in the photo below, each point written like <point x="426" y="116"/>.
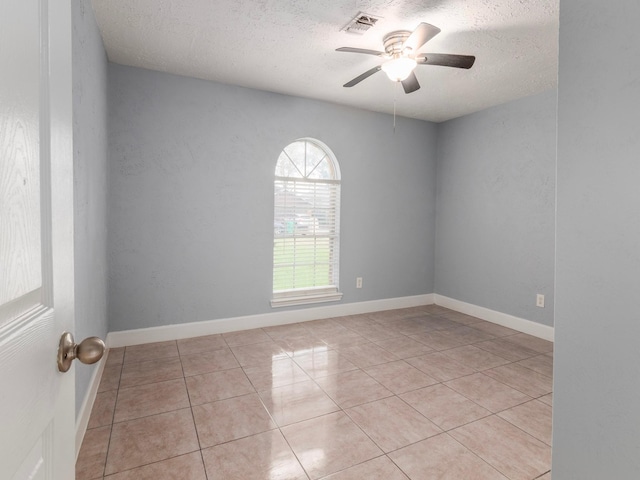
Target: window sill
<point x="304" y="298"/>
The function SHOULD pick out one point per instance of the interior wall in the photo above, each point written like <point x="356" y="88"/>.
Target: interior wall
<point x="596" y="418"/>
<point x="90" y="183"/>
<point x="496" y="207"/>
<point x="191" y="166"/>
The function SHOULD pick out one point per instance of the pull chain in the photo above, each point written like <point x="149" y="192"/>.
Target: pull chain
<point x="395" y="97"/>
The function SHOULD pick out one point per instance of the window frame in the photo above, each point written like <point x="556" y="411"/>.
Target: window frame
<point x="320" y="293"/>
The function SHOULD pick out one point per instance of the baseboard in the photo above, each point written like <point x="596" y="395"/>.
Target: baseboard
<point x="525" y="326"/>
<point x="209" y="327"/>
<point x="82" y="420"/>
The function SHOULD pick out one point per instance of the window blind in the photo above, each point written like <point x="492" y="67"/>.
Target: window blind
<point x="306" y="223"/>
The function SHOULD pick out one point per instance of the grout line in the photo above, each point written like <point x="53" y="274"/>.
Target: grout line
<point x="106" y="457"/>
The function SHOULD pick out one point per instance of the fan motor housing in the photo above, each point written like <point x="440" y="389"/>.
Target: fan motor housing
<point x="393" y="42"/>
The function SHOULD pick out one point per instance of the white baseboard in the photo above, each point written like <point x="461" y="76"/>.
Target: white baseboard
<point x="82" y="419"/>
<point x="209" y="327"/>
<point x="520" y="324"/>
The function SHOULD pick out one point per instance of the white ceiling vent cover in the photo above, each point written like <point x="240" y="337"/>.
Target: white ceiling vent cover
<point x="361" y="23"/>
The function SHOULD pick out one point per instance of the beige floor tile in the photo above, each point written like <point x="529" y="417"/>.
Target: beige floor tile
<point x="469" y="335"/>
<point x="533" y="417"/>
<point x="487" y="392"/>
<point x="321" y="363"/>
<point x="150" y="399"/>
<point x="341" y="339"/>
<point x="187" y="466"/>
<point x="246" y="337"/>
<point x="207" y="343"/>
<point x="547" y="399"/>
<point x="400" y="377"/>
<point x="265" y="456"/>
<point x="392" y="424"/>
<point x="102" y="410"/>
<point x="358" y="320"/>
<point x="301" y="345"/>
<point x="435" y="322"/>
<point x="503" y="348"/>
<point x="297" y="402"/>
<point x="531" y="342"/>
<point x="258" y="353"/>
<point x="110" y="379"/>
<point x="385" y="315"/>
<point x="542" y="364"/>
<point x="494" y="329"/>
<point x="152" y="371"/>
<point x="507" y="448"/>
<point x="421" y="309"/>
<point x="475" y="357"/>
<point x="461" y="318"/>
<point x="438" y="340"/>
<point x="404" y="347"/>
<point x="380" y="468"/>
<point x="324" y="326"/>
<point x="205" y="362"/>
<point x="352" y="388"/>
<point x="436" y="309"/>
<point x="275" y="374"/>
<point x="93" y="454"/>
<point x="412" y="326"/>
<point x="231" y="419"/>
<point x="444" y="406"/>
<point x="286" y="331"/>
<point x="546" y="476"/>
<point x="115" y="356"/>
<point x="375" y="333"/>
<point x="150" y="351"/>
<point x="523" y="379"/>
<point x="367" y="354"/>
<point x="439" y="366"/>
<point x="442" y="458"/>
<point x="214" y="386"/>
<point x="430" y="309"/>
<point x="151" y="439"/>
<point x="329" y="443"/>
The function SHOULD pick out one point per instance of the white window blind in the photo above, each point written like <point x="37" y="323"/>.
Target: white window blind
<point x="306" y="225"/>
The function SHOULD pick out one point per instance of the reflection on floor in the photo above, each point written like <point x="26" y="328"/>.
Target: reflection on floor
<point x="417" y="393"/>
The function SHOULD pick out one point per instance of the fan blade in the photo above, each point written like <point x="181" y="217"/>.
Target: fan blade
<point x="446" y="60"/>
<point x="410" y="84"/>
<point x="359" y="50"/>
<point x="359" y="78"/>
<point x="420" y="36"/>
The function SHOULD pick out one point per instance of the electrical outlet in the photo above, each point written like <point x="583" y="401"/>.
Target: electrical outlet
<point x="540" y="300"/>
<point x="359" y="282"/>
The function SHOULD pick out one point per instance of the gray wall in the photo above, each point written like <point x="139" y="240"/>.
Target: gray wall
<point x="90" y="187"/>
<point x="596" y="408"/>
<point x="495" y="207"/>
<point x="191" y="166"/>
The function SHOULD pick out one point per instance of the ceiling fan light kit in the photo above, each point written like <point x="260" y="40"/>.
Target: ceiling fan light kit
<point x="398" y="69"/>
<point x="401" y="55"/>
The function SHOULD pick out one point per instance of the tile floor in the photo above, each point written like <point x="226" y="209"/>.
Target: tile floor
<point x="418" y="393"/>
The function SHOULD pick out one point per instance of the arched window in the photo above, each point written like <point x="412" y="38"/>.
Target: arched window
<point x="306" y="224"/>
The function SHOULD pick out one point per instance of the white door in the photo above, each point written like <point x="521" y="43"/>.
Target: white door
<point x="36" y="239"/>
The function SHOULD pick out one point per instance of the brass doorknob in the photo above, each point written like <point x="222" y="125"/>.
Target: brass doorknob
<point x="89" y="351"/>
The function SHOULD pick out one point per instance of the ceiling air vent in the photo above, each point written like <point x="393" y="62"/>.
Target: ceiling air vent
<point x="361" y="23"/>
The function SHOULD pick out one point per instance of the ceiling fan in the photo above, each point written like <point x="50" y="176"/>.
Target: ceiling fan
<point x="401" y="57"/>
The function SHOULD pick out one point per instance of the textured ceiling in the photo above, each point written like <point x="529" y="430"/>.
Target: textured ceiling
<point x="288" y="46"/>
